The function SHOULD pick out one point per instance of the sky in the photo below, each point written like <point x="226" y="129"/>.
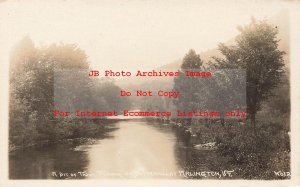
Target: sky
<point x="132" y="34"/>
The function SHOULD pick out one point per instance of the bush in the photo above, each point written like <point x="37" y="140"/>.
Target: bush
<point x="255" y="156"/>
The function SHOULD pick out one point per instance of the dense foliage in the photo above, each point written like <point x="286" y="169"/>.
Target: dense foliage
<point x="54" y="77"/>
<point x="259" y="146"/>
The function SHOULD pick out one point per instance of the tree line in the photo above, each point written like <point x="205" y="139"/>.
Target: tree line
<point x="55" y="77"/>
<point x="262" y="144"/>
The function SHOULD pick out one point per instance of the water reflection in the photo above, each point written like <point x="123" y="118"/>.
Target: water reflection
<point x="39" y="163"/>
<point x="136" y="149"/>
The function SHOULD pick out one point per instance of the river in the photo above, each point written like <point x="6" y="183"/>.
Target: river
<point x="136" y="149"/>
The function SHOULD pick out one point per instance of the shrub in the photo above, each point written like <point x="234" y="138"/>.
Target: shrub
<point x="255" y="155"/>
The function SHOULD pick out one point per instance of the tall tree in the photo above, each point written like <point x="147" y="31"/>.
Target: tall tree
<point x="257" y="52"/>
<point x="188" y="86"/>
<point x="191" y="60"/>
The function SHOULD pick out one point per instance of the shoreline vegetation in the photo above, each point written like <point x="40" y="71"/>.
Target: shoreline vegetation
<point x="256" y="146"/>
<point x="203" y="135"/>
<point x="101" y="128"/>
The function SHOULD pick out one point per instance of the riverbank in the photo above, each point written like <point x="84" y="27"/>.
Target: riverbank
<point x="87" y="133"/>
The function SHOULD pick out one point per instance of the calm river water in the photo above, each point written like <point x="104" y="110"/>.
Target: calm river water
<point x="136" y="149"/>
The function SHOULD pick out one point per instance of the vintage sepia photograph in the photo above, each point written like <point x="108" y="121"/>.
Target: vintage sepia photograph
<point x="164" y="90"/>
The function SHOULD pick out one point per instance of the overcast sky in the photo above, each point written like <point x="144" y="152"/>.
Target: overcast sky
<point x="129" y="34"/>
